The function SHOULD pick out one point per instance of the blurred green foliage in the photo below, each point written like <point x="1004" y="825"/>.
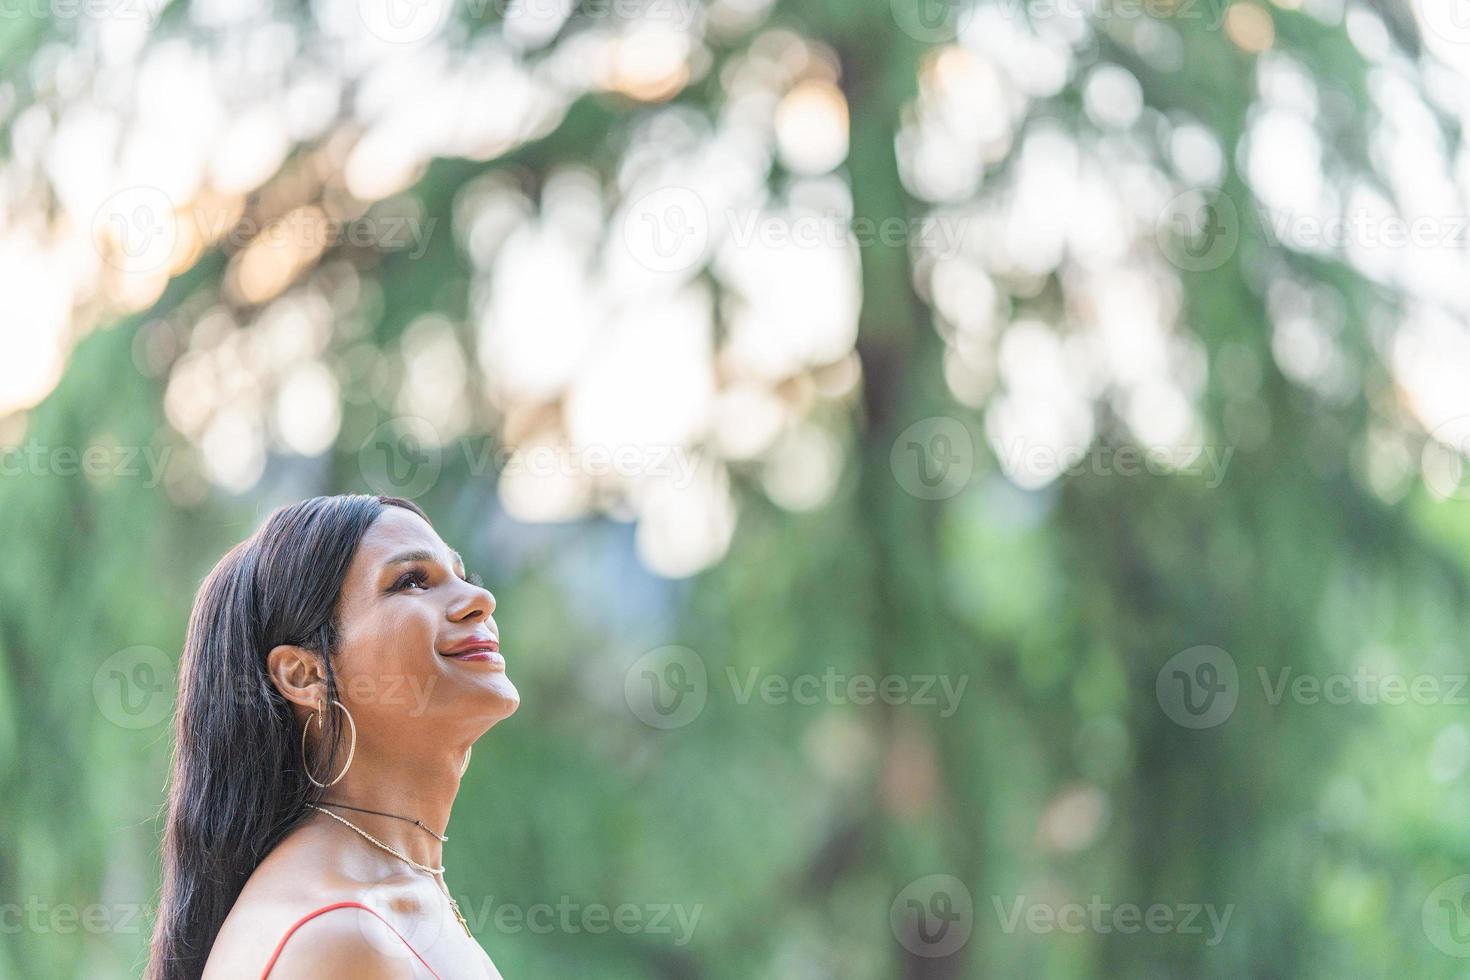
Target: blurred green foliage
<point x="793" y="828"/>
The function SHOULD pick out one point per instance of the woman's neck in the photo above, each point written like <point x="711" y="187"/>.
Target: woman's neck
<point x="418" y="789"/>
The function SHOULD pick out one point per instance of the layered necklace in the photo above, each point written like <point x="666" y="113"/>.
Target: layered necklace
<point x="438" y="872"/>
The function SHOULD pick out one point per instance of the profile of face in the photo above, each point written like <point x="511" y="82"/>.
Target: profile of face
<point x="418" y="662"/>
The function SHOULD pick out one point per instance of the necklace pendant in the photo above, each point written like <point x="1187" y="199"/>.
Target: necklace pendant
<point x="460" y="916"/>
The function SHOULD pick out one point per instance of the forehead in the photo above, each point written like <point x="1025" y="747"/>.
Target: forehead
<point x="395" y="532"/>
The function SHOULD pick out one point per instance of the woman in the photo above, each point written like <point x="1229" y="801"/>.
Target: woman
<point x="339" y="664"/>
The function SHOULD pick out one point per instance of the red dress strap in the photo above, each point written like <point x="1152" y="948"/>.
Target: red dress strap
<point x="327" y="908"/>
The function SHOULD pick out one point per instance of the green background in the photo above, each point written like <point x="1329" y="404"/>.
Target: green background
<point x="794" y="828"/>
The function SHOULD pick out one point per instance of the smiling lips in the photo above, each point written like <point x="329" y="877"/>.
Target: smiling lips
<point x="478" y="649"/>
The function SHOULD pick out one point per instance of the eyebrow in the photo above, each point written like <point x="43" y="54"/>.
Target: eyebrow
<point x="422" y="555"/>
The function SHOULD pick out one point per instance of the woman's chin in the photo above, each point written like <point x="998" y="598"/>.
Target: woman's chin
<point x="501" y="694"/>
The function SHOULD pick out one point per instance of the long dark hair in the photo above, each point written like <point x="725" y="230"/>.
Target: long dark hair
<point x="236" y="786"/>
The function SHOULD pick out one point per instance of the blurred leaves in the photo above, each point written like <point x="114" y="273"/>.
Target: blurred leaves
<point x="795" y="827"/>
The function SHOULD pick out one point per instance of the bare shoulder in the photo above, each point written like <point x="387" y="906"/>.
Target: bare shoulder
<point x="291" y="883"/>
<point x="344" y="944"/>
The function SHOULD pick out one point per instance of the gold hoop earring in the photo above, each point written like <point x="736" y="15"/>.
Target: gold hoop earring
<point x="351" y="749"/>
<point x="465" y="768"/>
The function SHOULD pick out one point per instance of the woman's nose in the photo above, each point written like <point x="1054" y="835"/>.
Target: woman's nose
<point x="478" y="603"/>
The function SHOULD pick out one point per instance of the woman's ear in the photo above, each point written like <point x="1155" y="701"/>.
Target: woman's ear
<point x="299" y="675"/>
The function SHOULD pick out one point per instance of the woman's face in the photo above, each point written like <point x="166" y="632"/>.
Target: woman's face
<point x="418" y="661"/>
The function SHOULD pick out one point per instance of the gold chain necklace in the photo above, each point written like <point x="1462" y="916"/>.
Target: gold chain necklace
<point x="379" y="813"/>
<point x="402" y="857"/>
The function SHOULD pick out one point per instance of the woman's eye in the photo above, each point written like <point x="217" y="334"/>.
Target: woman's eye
<point x="474" y="579"/>
<point x="415" y="578"/>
